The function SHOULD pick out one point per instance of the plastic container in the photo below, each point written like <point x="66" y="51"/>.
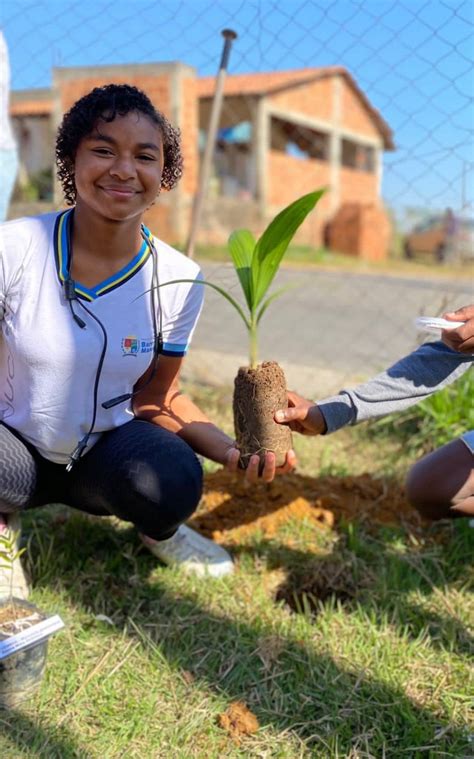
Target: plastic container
<point x="22" y="672"/>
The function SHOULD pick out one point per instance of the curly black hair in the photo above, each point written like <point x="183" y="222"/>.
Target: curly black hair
<point x="105" y="104"/>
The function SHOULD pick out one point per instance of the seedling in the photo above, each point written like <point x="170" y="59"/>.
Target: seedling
<point x="9" y="553"/>
<point x="260" y="390"/>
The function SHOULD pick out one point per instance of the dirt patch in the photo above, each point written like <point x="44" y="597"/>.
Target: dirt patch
<point x="231" y="512"/>
<point x="333" y="578"/>
<point x="238" y="721"/>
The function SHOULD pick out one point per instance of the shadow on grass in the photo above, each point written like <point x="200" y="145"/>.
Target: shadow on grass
<point x="23" y="732"/>
<point x="378" y="580"/>
<point x="384" y="550"/>
<point x="329" y="705"/>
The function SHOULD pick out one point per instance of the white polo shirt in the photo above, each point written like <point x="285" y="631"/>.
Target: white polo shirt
<point x="48" y="364"/>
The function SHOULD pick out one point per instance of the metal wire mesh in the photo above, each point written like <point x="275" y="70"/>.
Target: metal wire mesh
<point x="412" y="62"/>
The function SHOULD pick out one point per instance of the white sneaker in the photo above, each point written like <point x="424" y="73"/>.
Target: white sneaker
<point x="193" y="553"/>
<point x="16" y="584"/>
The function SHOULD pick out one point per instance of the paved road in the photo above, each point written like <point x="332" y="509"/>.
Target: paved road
<point x="338" y="322"/>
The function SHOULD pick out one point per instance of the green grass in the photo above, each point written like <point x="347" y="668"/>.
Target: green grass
<point x="380" y="667"/>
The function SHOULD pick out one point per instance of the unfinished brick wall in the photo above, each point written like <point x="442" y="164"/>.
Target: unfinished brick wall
<point x="313" y="99"/>
<point x="354" y="115"/>
<point x="360" y="230"/>
<point x="156" y="87"/>
<point x="189" y="126"/>
<point x="289" y="177"/>
<point x="357" y="186"/>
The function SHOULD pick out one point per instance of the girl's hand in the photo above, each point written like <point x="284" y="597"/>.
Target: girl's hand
<point x="301" y="416"/>
<point x="251" y="472"/>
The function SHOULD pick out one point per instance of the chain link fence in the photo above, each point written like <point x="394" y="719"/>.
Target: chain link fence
<point x="373" y="99"/>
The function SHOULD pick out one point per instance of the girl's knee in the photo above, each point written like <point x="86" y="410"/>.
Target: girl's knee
<point x="174" y="486"/>
<point x="440" y="481"/>
<point x="187" y="487"/>
<point x="421" y="492"/>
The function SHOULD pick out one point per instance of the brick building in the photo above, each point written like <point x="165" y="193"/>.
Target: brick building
<point x="281" y="134"/>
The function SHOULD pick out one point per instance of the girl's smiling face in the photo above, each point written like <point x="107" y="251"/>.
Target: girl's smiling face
<point x="118" y="167"/>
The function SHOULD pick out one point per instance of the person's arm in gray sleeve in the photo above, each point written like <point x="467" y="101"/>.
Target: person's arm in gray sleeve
<point x="416" y="376"/>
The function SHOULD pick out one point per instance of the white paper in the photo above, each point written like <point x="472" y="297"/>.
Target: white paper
<point x="435" y="324"/>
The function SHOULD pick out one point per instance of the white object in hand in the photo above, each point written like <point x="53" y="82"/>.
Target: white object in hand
<point x="435" y="324"/>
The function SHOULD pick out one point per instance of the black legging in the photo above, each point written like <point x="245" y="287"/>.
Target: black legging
<point x="138" y="472"/>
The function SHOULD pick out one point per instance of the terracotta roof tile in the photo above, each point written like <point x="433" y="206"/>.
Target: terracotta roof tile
<point x="262" y="82"/>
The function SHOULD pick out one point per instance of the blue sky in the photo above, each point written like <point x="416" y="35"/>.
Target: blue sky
<point x="412" y="58"/>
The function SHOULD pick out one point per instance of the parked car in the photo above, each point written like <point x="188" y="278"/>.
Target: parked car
<point x="446" y="237"/>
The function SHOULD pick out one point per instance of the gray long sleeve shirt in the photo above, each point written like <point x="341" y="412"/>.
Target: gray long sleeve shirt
<point x="428" y="369"/>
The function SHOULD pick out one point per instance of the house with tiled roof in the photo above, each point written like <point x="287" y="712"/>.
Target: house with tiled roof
<point x="281" y="134"/>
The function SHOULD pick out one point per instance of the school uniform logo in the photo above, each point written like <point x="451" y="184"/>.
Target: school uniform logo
<point x="130" y="345"/>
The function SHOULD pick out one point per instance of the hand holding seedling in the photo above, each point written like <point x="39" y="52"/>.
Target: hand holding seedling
<point x="251" y="473"/>
<point x="461" y="338"/>
<point x="301" y="416"/>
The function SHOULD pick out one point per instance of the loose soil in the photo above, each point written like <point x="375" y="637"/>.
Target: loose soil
<point x="258" y="393"/>
<point x="14" y="618"/>
<point x="238" y="721"/>
<point x="230" y="512"/>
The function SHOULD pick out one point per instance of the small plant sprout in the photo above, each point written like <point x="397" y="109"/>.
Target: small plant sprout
<point x="260" y="389"/>
<point x="257" y="262"/>
<point x="9" y="553"/>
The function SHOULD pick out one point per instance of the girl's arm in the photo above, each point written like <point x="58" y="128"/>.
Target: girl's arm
<point x="430" y="368"/>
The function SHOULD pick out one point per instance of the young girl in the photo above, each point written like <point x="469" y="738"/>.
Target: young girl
<point x="92" y="346"/>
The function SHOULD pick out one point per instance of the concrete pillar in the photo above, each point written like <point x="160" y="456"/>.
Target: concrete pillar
<point x="260" y="149"/>
<point x="335" y="146"/>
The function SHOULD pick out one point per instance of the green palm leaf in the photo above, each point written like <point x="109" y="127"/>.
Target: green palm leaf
<point x="274" y="242"/>
<point x="241" y="246"/>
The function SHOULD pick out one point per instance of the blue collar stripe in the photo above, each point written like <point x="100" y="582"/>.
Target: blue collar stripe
<point x="62" y="255"/>
<point x="124" y="273"/>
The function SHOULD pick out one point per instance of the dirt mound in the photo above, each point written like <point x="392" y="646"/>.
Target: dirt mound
<point x="238" y="721"/>
<point x="230" y="511"/>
